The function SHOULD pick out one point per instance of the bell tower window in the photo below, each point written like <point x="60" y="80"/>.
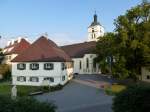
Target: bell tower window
<point x="92" y="30"/>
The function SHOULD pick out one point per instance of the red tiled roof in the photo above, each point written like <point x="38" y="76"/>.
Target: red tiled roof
<point x="80" y="49"/>
<point x="17" y="48"/>
<point x="43" y="50"/>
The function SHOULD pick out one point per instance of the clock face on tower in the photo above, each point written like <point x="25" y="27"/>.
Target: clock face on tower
<point x="95" y="30"/>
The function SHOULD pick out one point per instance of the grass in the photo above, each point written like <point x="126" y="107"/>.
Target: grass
<point x="114" y="89"/>
<point x="5" y="89"/>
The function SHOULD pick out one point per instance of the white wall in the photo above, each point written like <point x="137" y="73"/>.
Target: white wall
<point x="84" y="69"/>
<point x="145" y="73"/>
<point x="56" y="73"/>
<point x="76" y="66"/>
<point x="9" y="58"/>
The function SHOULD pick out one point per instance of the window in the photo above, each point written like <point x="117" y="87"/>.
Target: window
<point x="21" y="66"/>
<point x="34" y="66"/>
<point x="94" y="35"/>
<point x="34" y="79"/>
<point x="63" y="78"/>
<point x="87" y="63"/>
<point x="51" y="79"/>
<point x="48" y="66"/>
<point x="9" y="57"/>
<point x="21" y="78"/>
<point x="63" y="66"/>
<point x="93" y="30"/>
<point x="148" y="76"/>
<point x="80" y="65"/>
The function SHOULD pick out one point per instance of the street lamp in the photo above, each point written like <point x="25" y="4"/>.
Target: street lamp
<point x="110" y="60"/>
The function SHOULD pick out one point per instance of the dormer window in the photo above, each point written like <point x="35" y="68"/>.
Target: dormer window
<point x="21" y="66"/>
<point x="34" y="66"/>
<point x="48" y="66"/>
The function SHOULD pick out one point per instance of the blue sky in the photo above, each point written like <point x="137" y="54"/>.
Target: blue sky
<point x="65" y="21"/>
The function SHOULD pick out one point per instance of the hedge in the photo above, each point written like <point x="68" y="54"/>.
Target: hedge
<point x="24" y="104"/>
<point x="133" y="99"/>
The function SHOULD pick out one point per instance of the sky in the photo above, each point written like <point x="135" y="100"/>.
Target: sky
<point x="65" y="21"/>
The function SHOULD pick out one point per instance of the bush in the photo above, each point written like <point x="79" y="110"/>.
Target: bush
<point x="51" y="88"/>
<point x="6" y="104"/>
<point x="5" y="71"/>
<point x="132" y="99"/>
<point x="114" y="89"/>
<point x="25" y="104"/>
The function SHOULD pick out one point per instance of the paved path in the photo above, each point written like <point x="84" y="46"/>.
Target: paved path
<point x="81" y="95"/>
<point x="91" y="83"/>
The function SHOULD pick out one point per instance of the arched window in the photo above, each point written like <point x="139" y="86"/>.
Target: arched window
<point x="80" y="65"/>
<point x="94" y="35"/>
<point x="92" y="30"/>
<point x="87" y="63"/>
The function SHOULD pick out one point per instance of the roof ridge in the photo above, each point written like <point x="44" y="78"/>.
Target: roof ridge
<point x="77" y="43"/>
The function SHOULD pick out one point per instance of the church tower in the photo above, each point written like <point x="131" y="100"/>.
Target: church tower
<point x="95" y="30"/>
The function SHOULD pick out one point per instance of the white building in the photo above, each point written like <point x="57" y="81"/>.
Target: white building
<point x="13" y="48"/>
<point x="42" y="63"/>
<point x="82" y="53"/>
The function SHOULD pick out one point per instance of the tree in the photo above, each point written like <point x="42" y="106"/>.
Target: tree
<point x="105" y="48"/>
<point x="5" y="71"/>
<point x="133" y="37"/>
<point x="1" y="55"/>
<point x="130" y="44"/>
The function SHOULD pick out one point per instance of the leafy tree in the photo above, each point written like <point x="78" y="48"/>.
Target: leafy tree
<point x="1" y="55"/>
<point x="130" y="44"/>
<point x="104" y="49"/>
<point x="5" y="71"/>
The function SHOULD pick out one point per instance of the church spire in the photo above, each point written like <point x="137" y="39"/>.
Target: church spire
<point x="95" y="17"/>
<point x="95" y="21"/>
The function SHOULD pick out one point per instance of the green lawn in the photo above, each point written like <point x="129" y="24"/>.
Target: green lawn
<point x="5" y="89"/>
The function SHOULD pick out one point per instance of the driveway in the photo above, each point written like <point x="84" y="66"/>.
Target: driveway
<point x="82" y="94"/>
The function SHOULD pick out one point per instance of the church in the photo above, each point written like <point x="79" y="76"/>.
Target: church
<point x="82" y="53"/>
<point x="44" y="63"/>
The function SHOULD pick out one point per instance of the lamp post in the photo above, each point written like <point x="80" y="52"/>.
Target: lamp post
<point x="110" y="60"/>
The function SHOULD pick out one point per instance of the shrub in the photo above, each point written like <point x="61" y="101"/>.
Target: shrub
<point x="51" y="88"/>
<point x="24" y="104"/>
<point x="5" y="71"/>
<point x="132" y="99"/>
<point x="28" y="104"/>
<point x="114" y="89"/>
<point x="6" y="104"/>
